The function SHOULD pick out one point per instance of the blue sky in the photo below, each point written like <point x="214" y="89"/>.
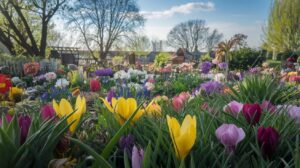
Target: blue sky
<point x="228" y="16"/>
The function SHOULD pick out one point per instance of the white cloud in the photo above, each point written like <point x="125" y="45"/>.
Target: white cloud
<point x="181" y="9"/>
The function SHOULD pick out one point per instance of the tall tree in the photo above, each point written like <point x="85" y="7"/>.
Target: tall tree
<point x="192" y="35"/>
<point x="283" y="30"/>
<point x="102" y="22"/>
<point x="213" y="39"/>
<point x="137" y="42"/>
<point x="19" y="20"/>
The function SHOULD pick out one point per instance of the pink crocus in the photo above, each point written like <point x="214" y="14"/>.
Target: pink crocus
<point x="137" y="157"/>
<point x="233" y="108"/>
<point x="177" y="103"/>
<point x="47" y="112"/>
<point x="268" y="106"/>
<point x="8" y="118"/>
<point x="230" y="135"/>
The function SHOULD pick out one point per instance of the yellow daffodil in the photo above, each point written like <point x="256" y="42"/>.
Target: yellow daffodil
<point x="64" y="108"/>
<point x="13" y="92"/>
<point x="123" y="108"/>
<point x="184" y="136"/>
<point x="153" y="109"/>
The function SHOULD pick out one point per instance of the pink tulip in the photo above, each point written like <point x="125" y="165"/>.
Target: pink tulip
<point x="177" y="103"/>
<point x="137" y="157"/>
<point x="233" y="108"/>
<point x="47" y="112"/>
<point x="95" y="85"/>
<point x="230" y="135"/>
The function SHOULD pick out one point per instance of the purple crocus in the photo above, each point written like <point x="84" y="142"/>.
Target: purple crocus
<point x="104" y="72"/>
<point x="111" y="93"/>
<point x="211" y="87"/>
<point x="233" y="108"/>
<point x="127" y="143"/>
<point x="137" y="157"/>
<point x="205" y="67"/>
<point x="230" y="135"/>
<point x="294" y="112"/>
<point x="47" y="112"/>
<point x="223" y="65"/>
<point x="24" y="124"/>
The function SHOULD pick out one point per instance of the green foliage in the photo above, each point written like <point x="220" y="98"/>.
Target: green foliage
<point x="206" y="57"/>
<point x="161" y="59"/>
<point x="38" y="148"/>
<point x="118" y="60"/>
<point x="274" y="64"/>
<point x="244" y="58"/>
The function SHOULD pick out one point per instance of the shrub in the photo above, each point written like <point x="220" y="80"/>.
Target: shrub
<point x="161" y="58"/>
<point x="206" y="57"/>
<point x="244" y="58"/>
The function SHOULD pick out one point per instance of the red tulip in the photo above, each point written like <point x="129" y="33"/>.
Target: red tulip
<point x="24" y="124"/>
<point x="252" y="113"/>
<point x="95" y="85"/>
<point x="268" y="139"/>
<point x="47" y="112"/>
<point x="5" y="84"/>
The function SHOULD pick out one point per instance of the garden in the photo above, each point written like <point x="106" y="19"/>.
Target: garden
<point x="231" y="105"/>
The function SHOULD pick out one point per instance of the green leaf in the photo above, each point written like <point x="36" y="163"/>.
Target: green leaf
<point x="147" y="156"/>
<point x="126" y="160"/>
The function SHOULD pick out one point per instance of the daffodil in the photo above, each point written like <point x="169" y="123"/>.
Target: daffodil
<point x="14" y="92"/>
<point x="64" y="108"/>
<point x="123" y="108"/>
<point x="184" y="136"/>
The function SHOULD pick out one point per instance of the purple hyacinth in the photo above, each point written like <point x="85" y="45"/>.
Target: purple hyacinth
<point x="205" y="67"/>
<point x="223" y="65"/>
<point x="104" y="72"/>
<point x="211" y="87"/>
<point x="110" y="95"/>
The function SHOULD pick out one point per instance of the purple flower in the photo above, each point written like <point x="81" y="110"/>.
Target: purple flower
<point x="230" y="135"/>
<point x="110" y="95"/>
<point x="294" y="112"/>
<point x="126" y="143"/>
<point x="47" y="112"/>
<point x="137" y="157"/>
<point x="104" y="72"/>
<point x="267" y="105"/>
<point x="8" y="118"/>
<point x="233" y="108"/>
<point x="24" y="124"/>
<point x="223" y="65"/>
<point x="211" y="87"/>
<point x="205" y="67"/>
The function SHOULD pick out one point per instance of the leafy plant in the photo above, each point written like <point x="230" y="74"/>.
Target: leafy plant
<point x="161" y="59"/>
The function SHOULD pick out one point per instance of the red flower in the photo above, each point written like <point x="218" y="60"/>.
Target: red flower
<point x="5" y="84"/>
<point x="268" y="139"/>
<point x="95" y="85"/>
<point x="252" y="113"/>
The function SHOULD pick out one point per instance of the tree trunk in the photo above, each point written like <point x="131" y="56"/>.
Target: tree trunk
<point x="43" y="43"/>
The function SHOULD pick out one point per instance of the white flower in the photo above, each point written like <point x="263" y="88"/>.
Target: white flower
<point x="16" y="80"/>
<point x="62" y="82"/>
<point x="50" y="76"/>
<point x="149" y="86"/>
<point x="121" y="75"/>
<point x="219" y="77"/>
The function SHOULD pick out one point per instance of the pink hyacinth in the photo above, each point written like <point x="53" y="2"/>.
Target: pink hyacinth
<point x="47" y="112"/>
<point x="233" y="108"/>
<point x="230" y="135"/>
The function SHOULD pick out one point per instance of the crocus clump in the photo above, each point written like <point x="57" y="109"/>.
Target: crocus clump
<point x="268" y="139"/>
<point x="252" y="113"/>
<point x="230" y="135"/>
<point x="233" y="108"/>
<point x="211" y="87"/>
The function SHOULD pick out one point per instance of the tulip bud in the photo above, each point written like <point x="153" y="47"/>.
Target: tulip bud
<point x="24" y="124"/>
<point x="137" y="157"/>
<point x="268" y="139"/>
<point x="47" y="112"/>
<point x="230" y="135"/>
<point x="252" y="113"/>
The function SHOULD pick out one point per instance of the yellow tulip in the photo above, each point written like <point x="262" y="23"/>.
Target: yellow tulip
<point x="64" y="108"/>
<point x="123" y="108"/>
<point x="153" y="109"/>
<point x="13" y="92"/>
<point x="184" y="136"/>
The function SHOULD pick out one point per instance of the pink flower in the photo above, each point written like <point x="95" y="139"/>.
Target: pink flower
<point x="267" y="105"/>
<point x="31" y="68"/>
<point x="24" y="124"/>
<point x="233" y="108"/>
<point x="137" y="157"/>
<point x="184" y="96"/>
<point x="177" y="103"/>
<point x="8" y="118"/>
<point x="252" y="113"/>
<point x="95" y="85"/>
<point x="47" y="112"/>
<point x="268" y="139"/>
<point x="230" y="135"/>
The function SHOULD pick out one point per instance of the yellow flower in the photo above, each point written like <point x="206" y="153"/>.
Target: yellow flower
<point x="184" y="136"/>
<point x="153" y="109"/>
<point x="123" y="108"/>
<point x="293" y="73"/>
<point x="64" y="108"/>
<point x="14" y="91"/>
